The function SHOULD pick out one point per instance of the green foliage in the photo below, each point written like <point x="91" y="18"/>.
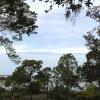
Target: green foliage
<point x="2" y="90"/>
<point x="19" y="76"/>
<point x="43" y="75"/>
<point x="35" y="87"/>
<point x="67" y="67"/>
<point x="7" y="44"/>
<point x="72" y="7"/>
<point x="8" y="81"/>
<point x="91" y="93"/>
<point x="15" y="19"/>
<point x="91" y="68"/>
<point x="65" y="76"/>
<point x="31" y="67"/>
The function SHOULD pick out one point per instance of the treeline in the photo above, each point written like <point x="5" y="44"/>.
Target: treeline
<point x="66" y="81"/>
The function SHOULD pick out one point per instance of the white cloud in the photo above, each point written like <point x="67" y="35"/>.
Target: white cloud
<point x="28" y="49"/>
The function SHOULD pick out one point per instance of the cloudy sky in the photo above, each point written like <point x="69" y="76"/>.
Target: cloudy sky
<point x="56" y="36"/>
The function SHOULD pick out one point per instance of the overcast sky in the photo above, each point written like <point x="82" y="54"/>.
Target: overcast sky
<point x="56" y="36"/>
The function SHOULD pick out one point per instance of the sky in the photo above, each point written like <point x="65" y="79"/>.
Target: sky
<point x="56" y="36"/>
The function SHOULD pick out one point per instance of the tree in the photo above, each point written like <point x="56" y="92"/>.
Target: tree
<point x="67" y="73"/>
<point x="91" y="68"/>
<point x="15" y="19"/>
<point x="16" y="81"/>
<point x="36" y="87"/>
<point x="58" y="86"/>
<point x="19" y="78"/>
<point x="7" y="44"/>
<point x="43" y="77"/>
<point x="72" y="7"/>
<point x="9" y="83"/>
<point x="47" y="74"/>
<point x="31" y="67"/>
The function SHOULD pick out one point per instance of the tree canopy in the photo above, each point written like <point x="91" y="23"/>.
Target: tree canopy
<point x="15" y="19"/>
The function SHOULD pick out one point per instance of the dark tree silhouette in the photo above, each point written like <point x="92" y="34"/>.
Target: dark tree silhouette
<point x="7" y="44"/>
<point x="67" y="73"/>
<point x="73" y="7"/>
<point x="43" y="77"/>
<point x="91" y="68"/>
<point x="31" y="67"/>
<point x="15" y="19"/>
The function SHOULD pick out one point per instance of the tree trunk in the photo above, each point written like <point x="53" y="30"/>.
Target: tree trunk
<point x="47" y="90"/>
<point x="67" y="92"/>
<point x="30" y="91"/>
<point x="57" y="91"/>
<point x="17" y="91"/>
<point x="31" y="96"/>
<point x="12" y="96"/>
